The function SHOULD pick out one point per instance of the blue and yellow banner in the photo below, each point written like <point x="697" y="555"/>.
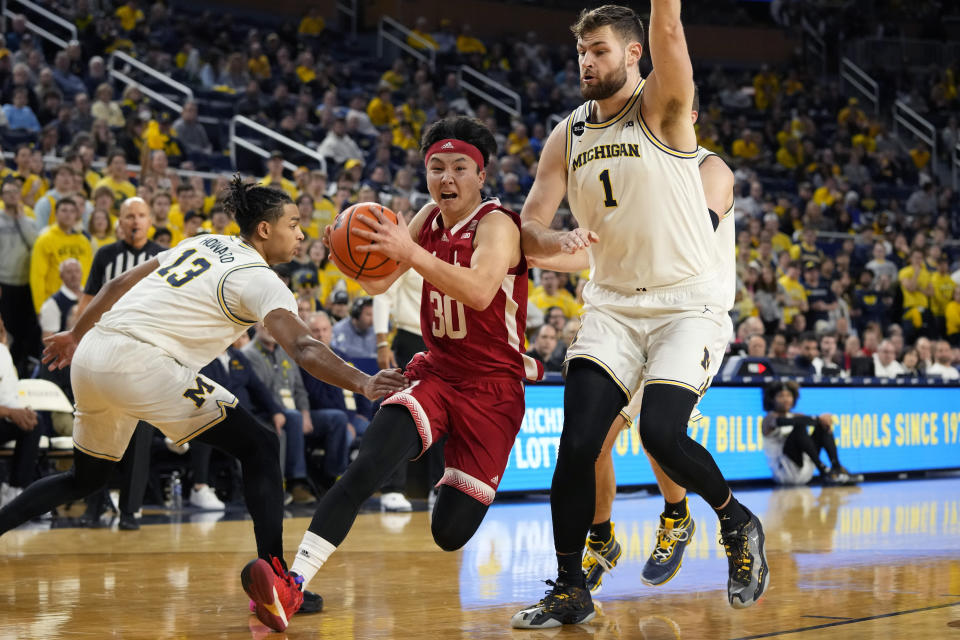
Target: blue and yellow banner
<point x="878" y="429"/>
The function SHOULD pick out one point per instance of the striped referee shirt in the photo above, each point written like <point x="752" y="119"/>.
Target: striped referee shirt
<point x="116" y="258"/>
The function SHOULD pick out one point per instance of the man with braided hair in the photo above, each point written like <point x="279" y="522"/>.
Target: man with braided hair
<point x="136" y="352"/>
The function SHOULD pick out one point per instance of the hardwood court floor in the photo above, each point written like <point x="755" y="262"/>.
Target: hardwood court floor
<point x="877" y="561"/>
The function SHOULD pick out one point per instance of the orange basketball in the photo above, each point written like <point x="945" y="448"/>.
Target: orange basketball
<point x="343" y="243"/>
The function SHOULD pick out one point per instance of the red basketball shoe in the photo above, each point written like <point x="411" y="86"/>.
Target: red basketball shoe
<point x="276" y="593"/>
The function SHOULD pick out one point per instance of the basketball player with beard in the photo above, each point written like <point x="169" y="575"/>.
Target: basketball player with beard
<point x="627" y="162"/>
<point x="676" y="525"/>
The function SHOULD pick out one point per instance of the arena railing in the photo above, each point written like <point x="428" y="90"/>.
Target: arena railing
<point x="428" y="55"/>
<point x="861" y="81"/>
<point x="901" y="52"/>
<point x="466" y="77"/>
<point x="130" y="61"/>
<point x="46" y="34"/>
<point x="814" y="44"/>
<point x="955" y="161"/>
<point x="238" y="141"/>
<point x="920" y="127"/>
<point x="349" y="9"/>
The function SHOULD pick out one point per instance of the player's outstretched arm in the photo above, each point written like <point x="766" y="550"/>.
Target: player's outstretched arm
<point x="668" y="91"/>
<point x="537" y="238"/>
<point x="60" y="347"/>
<point x="563" y="262"/>
<point x="322" y="363"/>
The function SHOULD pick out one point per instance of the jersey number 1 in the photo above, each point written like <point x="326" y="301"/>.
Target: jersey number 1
<point x="608" y="199"/>
<point x="444" y="322"/>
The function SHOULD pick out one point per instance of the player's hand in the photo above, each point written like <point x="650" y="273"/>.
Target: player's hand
<point x="577" y="240"/>
<point x="59" y="350"/>
<point x="325" y="237"/>
<point x="25" y="419"/>
<point x="279" y="421"/>
<point x="385" y="357"/>
<point x="826" y="420"/>
<point x="383" y="383"/>
<point x="391" y="240"/>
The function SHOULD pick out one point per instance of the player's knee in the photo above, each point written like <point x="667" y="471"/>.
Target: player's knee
<point x="448" y="535"/>
<point x="663" y="418"/>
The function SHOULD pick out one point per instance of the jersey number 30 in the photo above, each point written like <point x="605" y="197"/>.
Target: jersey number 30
<point x="444" y="322"/>
<point x="178" y="280"/>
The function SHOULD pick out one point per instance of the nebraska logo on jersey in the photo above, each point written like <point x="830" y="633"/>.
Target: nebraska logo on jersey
<point x="449" y="145"/>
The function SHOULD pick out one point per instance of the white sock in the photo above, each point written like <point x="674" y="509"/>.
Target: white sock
<point x="311" y="555"/>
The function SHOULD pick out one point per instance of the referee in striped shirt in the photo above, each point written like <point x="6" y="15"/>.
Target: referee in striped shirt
<point x="131" y="249"/>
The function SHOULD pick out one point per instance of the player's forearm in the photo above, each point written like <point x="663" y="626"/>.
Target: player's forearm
<point x="470" y="286"/>
<point x="319" y="361"/>
<point x="564" y="262"/>
<point x="668" y="45"/>
<point x="539" y="240"/>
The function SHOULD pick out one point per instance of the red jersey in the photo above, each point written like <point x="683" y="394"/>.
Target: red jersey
<point x="463" y="342"/>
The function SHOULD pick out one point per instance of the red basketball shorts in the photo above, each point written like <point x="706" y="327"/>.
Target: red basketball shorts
<point x="481" y="419"/>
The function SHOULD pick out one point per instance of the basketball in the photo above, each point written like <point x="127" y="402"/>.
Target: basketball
<point x="343" y="243"/>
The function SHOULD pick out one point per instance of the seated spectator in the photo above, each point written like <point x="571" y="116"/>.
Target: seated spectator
<point x="17" y="423"/>
<point x="338" y="145"/>
<point x="828" y="362"/>
<point x="19" y="115"/>
<point x="792" y="451"/>
<point x="911" y="365"/>
<point x="544" y="345"/>
<point x="549" y="294"/>
<point x="885" y="363"/>
<point x="117" y="177"/>
<point x="191" y="135"/>
<point x="943" y="366"/>
<point x="55" y="314"/>
<point x="879" y="265"/>
<point x="106" y="108"/>
<point x="354" y="336"/>
<point x="809" y="352"/>
<point x="793" y="293"/>
<point x="280" y="374"/>
<point x="915" y="285"/>
<point x="275" y="175"/>
<point x="952" y="318"/>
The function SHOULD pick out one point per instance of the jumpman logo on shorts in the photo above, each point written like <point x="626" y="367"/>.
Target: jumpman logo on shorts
<point x="706" y="309"/>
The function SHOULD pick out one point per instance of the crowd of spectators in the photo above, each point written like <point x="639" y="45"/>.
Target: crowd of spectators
<point x="847" y="261"/>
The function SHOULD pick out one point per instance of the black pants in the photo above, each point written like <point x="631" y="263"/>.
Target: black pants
<point x="23" y="467"/>
<point x="405" y="346"/>
<point x="16" y="309"/>
<point x="239" y="434"/>
<point x="392" y="439"/>
<point x="800" y="442"/>
<point x="134" y="470"/>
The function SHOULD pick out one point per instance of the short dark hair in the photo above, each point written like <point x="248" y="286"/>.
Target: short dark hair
<point x="65" y="200"/>
<point x="624" y="21"/>
<point x="251" y="203"/>
<point x="463" y="128"/>
<point x="771" y="390"/>
<point x="114" y="153"/>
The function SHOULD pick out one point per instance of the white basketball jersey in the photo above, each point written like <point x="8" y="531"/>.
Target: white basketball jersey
<point x="726" y="238"/>
<point x="644" y="199"/>
<point x="208" y="290"/>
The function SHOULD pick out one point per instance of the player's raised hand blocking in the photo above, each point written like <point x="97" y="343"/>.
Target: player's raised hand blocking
<point x="58" y="352"/>
<point x="577" y="240"/>
<point x="383" y="383"/>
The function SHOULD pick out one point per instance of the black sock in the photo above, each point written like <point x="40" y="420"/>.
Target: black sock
<point x="675" y="510"/>
<point x="570" y="569"/>
<point x="733" y="515"/>
<point x="601" y="530"/>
